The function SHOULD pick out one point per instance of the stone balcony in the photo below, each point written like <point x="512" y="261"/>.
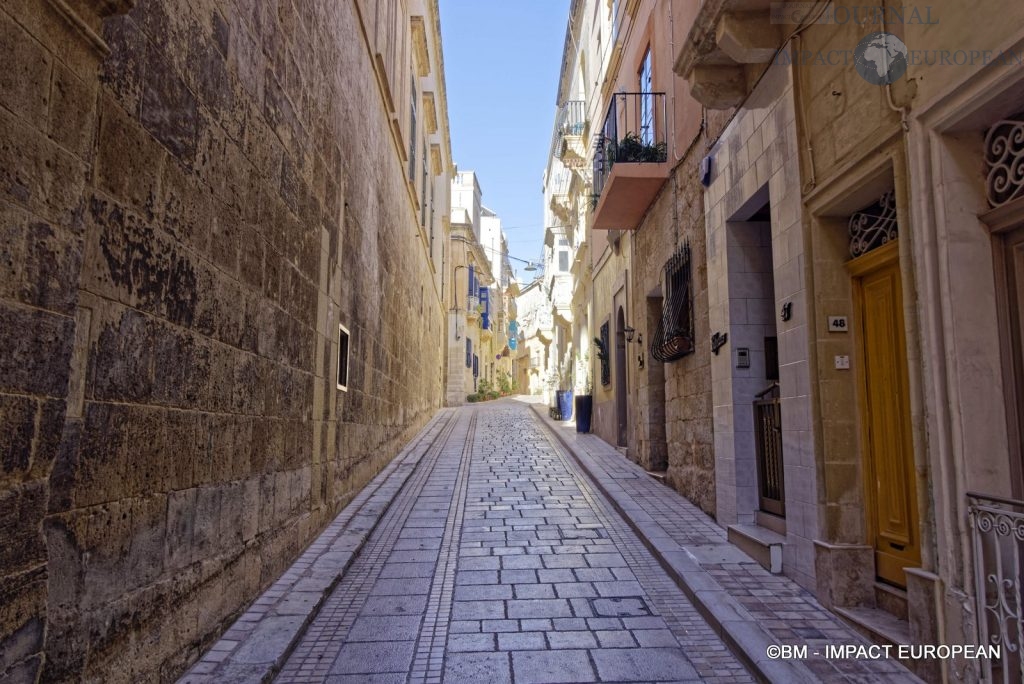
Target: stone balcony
<point x="628" y="191"/>
<point x="568" y="138"/>
<point x="630" y="160"/>
<point x="728" y="47"/>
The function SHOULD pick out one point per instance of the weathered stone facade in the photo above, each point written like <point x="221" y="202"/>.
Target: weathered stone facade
<point x="673" y="400"/>
<point x="186" y="221"/>
<point x="923" y="145"/>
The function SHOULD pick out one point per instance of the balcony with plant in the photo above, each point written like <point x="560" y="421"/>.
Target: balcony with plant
<point x="630" y="160"/>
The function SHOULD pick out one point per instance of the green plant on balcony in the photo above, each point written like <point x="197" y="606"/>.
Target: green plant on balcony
<point x="632" y="149"/>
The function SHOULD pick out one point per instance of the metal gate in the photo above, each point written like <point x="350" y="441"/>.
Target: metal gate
<point x="997" y="531"/>
<point x="771" y="488"/>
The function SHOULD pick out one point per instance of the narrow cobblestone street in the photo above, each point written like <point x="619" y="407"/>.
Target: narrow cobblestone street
<point x="499" y="562"/>
<point x="303" y="381"/>
<point x="486" y="553"/>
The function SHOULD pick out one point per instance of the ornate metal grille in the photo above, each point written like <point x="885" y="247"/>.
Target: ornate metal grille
<point x="674" y="336"/>
<point x="1004" y="160"/>
<point x="606" y="369"/>
<point x="997" y="530"/>
<point x="873" y="226"/>
<point x="768" y="426"/>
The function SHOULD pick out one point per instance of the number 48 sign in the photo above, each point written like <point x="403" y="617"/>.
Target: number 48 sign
<point x="837" y="324"/>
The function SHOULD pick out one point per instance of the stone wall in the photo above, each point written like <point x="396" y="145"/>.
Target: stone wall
<point x="609" y="281"/>
<point x="673" y="420"/>
<point x="186" y="220"/>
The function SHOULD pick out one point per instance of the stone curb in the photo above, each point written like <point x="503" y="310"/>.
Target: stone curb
<point x="255" y="647"/>
<point x="733" y="623"/>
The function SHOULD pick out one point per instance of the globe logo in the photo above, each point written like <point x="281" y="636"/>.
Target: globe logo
<point x="880" y="58"/>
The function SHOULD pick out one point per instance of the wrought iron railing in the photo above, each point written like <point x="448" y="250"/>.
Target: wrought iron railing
<point x="997" y="531"/>
<point x="674" y="337"/>
<point x="571" y="120"/>
<point x="771" y="487"/>
<point x="560" y="182"/>
<point x="633" y="133"/>
<point x="603" y="346"/>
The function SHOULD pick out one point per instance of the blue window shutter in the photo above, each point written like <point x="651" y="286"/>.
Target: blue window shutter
<point x="472" y="285"/>
<point x="485" y="299"/>
<point x="469" y="352"/>
<point x="476" y="366"/>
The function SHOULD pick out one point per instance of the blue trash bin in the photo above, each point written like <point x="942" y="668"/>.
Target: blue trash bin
<point x="565" y="403"/>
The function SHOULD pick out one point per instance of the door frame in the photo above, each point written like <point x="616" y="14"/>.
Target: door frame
<point x="876" y="259"/>
<point x="620" y="380"/>
<point x="1002" y="223"/>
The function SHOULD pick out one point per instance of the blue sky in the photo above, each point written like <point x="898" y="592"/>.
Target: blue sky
<point x="501" y="62"/>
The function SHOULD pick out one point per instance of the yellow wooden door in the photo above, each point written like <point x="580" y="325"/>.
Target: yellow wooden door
<point x="885" y="414"/>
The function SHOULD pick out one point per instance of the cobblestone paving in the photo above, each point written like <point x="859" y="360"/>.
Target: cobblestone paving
<point x="787" y="611"/>
<point x="498" y="562"/>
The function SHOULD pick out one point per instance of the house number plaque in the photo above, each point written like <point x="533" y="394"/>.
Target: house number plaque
<point x="837" y="324"/>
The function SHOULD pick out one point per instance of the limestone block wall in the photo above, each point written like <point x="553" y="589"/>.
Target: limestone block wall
<point x="673" y="400"/>
<point x="186" y="220"/>
<point x="609" y="282"/>
<point x="758" y="152"/>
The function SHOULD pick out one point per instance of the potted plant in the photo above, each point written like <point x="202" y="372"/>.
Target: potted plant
<point x="554" y="378"/>
<point x="633" y="149"/>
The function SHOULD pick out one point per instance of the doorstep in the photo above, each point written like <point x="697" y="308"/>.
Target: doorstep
<point x="760" y="543"/>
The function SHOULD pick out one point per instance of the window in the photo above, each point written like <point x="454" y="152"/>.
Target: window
<point x="646" y="100"/>
<point x="563" y="260"/>
<point x="342" y="358"/>
<point x="606" y="371"/>
<point x="412" y="135"/>
<point x="469" y="353"/>
<point x="674" y="336"/>
<point x="423" y="190"/>
<point x="485" y="302"/>
<point x="771" y="358"/>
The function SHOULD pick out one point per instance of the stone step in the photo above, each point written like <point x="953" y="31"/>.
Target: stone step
<point x="760" y="543"/>
<point x="877" y="625"/>
<point x="657" y="475"/>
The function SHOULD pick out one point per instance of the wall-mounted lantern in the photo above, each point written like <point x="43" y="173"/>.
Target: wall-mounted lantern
<point x="718" y="341"/>
<point x="629" y="331"/>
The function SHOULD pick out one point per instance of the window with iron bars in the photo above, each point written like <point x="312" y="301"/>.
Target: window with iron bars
<point x="606" y="370"/>
<point x="674" y="337"/>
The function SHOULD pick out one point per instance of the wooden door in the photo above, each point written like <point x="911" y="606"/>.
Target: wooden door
<point x="885" y="414"/>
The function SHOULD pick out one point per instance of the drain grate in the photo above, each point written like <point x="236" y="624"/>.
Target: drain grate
<point x="626" y="606"/>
